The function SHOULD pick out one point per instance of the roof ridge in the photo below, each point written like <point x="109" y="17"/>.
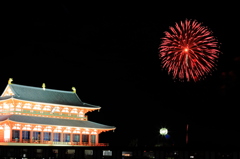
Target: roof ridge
<point x="48" y="89"/>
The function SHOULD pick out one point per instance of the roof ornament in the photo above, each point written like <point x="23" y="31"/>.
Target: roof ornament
<point x="74" y="89"/>
<point x="43" y="86"/>
<point x="10" y="81"/>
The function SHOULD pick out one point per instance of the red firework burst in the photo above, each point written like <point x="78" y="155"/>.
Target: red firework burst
<point x="189" y="51"/>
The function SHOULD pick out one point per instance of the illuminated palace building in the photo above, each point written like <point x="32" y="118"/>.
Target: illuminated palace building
<point x="40" y="116"/>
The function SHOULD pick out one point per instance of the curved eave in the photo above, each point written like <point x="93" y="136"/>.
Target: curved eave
<point x="6" y="98"/>
<point x="102" y="129"/>
<point x="73" y="106"/>
<point x="56" y="122"/>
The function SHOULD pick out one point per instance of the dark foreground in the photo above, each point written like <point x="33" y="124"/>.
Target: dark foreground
<point x="53" y="152"/>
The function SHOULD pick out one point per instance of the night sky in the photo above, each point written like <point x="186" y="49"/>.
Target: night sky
<point x="110" y="55"/>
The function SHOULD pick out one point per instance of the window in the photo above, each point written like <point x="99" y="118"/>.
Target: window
<point x="47" y="136"/>
<point x="56" y="136"/>
<point x="76" y="137"/>
<point x="66" y="137"/>
<point x="15" y="134"/>
<point x="36" y="135"/>
<point x="93" y="138"/>
<point x="85" y="138"/>
<point x="25" y="134"/>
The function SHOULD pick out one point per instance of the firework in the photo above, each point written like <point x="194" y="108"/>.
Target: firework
<point x="189" y="51"/>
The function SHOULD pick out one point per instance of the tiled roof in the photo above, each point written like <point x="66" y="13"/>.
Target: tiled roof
<point x="55" y="122"/>
<point x="52" y="96"/>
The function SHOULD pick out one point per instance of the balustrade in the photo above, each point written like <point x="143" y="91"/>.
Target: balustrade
<point x="27" y="141"/>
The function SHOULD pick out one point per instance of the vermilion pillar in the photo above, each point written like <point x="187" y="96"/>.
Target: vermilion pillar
<point x="89" y="139"/>
<point x="97" y="139"/>
<point x="41" y="137"/>
<point x="51" y="137"/>
<point x="71" y="138"/>
<point x="31" y="136"/>
<point x="20" y="136"/>
<point x="80" y="138"/>
<point x="10" y="133"/>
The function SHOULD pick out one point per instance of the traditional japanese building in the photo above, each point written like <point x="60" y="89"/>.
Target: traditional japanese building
<point x="42" y="116"/>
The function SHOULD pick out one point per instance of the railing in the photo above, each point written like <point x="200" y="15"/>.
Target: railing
<point x="27" y="141"/>
<point x="44" y="114"/>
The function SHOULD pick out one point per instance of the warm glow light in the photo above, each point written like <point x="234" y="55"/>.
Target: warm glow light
<point x="38" y="107"/>
<point x="58" y="129"/>
<point x="65" y="110"/>
<point x="5" y="106"/>
<point x="18" y="107"/>
<point x="56" y="109"/>
<point x="74" y="111"/>
<point x="67" y="130"/>
<point x="8" y="92"/>
<point x="85" y="132"/>
<point x="28" y="106"/>
<point x="48" y="108"/>
<point x="76" y="131"/>
<point x="48" y="128"/>
<point x="16" y="126"/>
<point x="38" y="128"/>
<point x="27" y="127"/>
<point x="7" y="133"/>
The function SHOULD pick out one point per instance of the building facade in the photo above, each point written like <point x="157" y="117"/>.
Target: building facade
<point x="40" y="116"/>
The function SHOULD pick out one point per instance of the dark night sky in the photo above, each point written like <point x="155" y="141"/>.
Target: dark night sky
<point x="110" y="54"/>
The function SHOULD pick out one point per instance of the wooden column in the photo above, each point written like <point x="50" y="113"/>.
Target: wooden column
<point x="71" y="137"/>
<point x="20" y="135"/>
<point x="61" y="137"/>
<point x="10" y="127"/>
<point x="41" y="136"/>
<point x="89" y="139"/>
<point x="80" y="138"/>
<point x="31" y="135"/>
<point x="52" y="136"/>
<point x="97" y="137"/>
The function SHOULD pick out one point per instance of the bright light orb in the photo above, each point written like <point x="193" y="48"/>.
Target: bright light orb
<point x="163" y="131"/>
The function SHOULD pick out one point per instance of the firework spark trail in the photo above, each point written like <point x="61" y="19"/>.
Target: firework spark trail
<point x="189" y="51"/>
